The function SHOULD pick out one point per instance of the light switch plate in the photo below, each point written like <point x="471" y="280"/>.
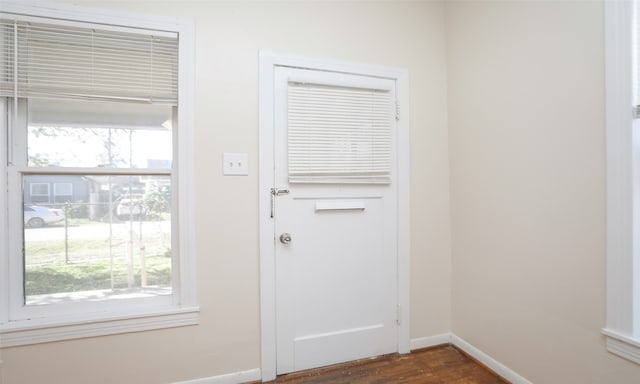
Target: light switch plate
<point x="235" y="164"/>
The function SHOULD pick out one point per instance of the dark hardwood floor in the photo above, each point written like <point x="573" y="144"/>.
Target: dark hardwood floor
<point x="442" y="365"/>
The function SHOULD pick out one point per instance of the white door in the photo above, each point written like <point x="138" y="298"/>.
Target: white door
<point x="335" y="228"/>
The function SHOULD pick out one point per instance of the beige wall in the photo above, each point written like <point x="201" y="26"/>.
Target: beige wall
<point x="526" y="124"/>
<point x="524" y="102"/>
<point x="229" y="35"/>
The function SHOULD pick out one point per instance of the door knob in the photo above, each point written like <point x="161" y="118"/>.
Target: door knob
<point x="285" y="238"/>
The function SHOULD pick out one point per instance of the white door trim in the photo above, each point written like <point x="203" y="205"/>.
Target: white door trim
<point x="268" y="62"/>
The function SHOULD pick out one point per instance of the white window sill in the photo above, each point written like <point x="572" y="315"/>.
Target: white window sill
<point x="37" y="331"/>
<point x="623" y="345"/>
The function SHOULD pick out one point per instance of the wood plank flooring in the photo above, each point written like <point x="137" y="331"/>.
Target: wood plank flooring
<point x="439" y="365"/>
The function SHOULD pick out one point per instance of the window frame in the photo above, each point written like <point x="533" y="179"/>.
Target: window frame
<point x="622" y="330"/>
<point x="183" y="308"/>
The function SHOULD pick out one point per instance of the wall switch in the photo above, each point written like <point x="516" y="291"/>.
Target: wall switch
<point x="235" y="164"/>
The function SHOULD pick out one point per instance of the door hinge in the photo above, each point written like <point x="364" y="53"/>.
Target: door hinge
<point x="398" y="314"/>
<point x="397" y="111"/>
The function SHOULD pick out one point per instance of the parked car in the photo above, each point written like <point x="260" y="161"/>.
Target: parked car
<point x="130" y="208"/>
<point x="36" y="216"/>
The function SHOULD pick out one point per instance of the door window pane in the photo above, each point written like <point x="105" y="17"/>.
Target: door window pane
<point x="338" y="134"/>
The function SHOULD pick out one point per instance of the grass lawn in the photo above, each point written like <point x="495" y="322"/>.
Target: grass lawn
<point x="96" y="257"/>
<point x="94" y="275"/>
<point x="82" y="250"/>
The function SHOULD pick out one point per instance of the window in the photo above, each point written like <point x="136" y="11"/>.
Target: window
<point x="352" y="146"/>
<point x="100" y="111"/>
<point x="62" y="192"/>
<point x="623" y="179"/>
<point x="63" y="189"/>
<point x="39" y="192"/>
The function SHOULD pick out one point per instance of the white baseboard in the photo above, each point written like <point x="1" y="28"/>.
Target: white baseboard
<point x="423" y="342"/>
<point x="229" y="378"/>
<point x="431" y="341"/>
<point x="489" y="361"/>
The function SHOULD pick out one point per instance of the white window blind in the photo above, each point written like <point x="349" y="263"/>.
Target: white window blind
<point x="338" y="134"/>
<point x="47" y="60"/>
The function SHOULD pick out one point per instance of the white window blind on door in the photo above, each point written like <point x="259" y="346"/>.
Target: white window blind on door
<point x="338" y="134"/>
<point x="59" y="61"/>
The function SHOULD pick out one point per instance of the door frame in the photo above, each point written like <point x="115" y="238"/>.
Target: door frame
<point x="268" y="62"/>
